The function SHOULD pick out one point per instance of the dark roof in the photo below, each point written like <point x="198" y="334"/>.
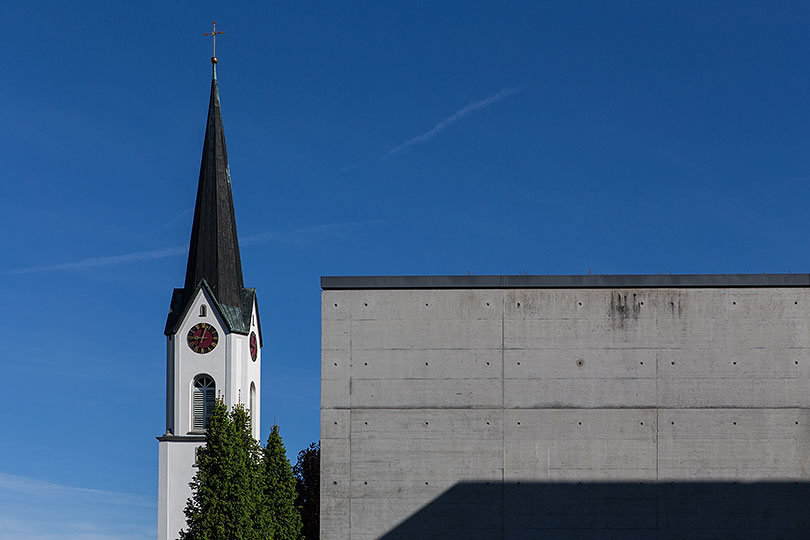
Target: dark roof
<point x="213" y="254"/>
<point x="640" y="281"/>
<point x="237" y="318"/>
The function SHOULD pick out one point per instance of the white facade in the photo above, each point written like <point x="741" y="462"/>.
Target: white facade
<point x="238" y="380"/>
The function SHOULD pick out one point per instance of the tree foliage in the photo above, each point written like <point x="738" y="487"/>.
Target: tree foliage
<point x="279" y="489"/>
<point x="241" y="491"/>
<point x="308" y="485"/>
<point x="227" y="498"/>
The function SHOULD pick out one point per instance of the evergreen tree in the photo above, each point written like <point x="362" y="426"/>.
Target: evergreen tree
<point x="279" y="489"/>
<point x="307" y="473"/>
<point x="226" y="501"/>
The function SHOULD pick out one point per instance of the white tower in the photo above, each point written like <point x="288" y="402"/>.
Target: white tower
<point x="213" y="336"/>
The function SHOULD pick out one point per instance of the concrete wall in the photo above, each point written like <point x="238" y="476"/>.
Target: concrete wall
<point x="425" y="390"/>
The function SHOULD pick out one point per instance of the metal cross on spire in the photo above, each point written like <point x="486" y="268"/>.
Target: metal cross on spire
<point x="214" y="34"/>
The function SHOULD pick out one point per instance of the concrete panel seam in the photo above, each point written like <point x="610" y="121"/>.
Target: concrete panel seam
<point x="503" y="415"/>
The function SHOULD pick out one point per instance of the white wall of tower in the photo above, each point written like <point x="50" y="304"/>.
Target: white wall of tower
<point x="176" y="468"/>
<point x="229" y="364"/>
<point x="233" y="371"/>
<point x="188" y="364"/>
<point x="252" y="373"/>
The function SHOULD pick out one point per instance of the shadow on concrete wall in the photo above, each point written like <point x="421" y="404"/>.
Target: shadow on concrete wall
<point x="613" y="511"/>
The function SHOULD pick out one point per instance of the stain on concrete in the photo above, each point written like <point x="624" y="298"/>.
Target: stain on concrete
<point x="624" y="307"/>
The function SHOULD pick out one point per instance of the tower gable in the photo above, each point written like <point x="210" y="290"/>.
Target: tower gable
<point x="205" y="300"/>
<point x="236" y="318"/>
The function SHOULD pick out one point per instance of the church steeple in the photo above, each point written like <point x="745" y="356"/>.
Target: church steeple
<point x="214" y="250"/>
<point x="213" y="333"/>
<point x="213" y="255"/>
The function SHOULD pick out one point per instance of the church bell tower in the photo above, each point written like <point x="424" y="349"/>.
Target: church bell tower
<point x="213" y="336"/>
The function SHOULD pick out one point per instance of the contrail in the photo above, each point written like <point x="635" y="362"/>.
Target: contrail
<point x="41" y="488"/>
<point x="452" y="119"/>
<point x="113" y="260"/>
<point x="162" y="253"/>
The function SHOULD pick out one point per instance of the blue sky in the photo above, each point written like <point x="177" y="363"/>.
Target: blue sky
<point x="364" y="138"/>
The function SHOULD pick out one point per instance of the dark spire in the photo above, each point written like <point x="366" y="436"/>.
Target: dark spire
<point x="213" y="254"/>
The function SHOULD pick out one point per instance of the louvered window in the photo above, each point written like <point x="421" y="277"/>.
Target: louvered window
<point x="202" y="402"/>
<point x="252" y="405"/>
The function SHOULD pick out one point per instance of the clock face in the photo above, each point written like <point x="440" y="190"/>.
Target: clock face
<point x="254" y="346"/>
<point x="202" y="338"/>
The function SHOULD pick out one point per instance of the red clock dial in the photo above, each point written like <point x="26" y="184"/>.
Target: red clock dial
<point x="202" y="338"/>
<point x="254" y="346"/>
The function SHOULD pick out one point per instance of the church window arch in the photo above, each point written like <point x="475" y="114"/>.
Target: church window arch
<point x="253" y="406"/>
<point x="202" y="401"/>
<point x="203" y="310"/>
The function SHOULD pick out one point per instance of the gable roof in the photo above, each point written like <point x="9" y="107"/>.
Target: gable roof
<point x="237" y="318"/>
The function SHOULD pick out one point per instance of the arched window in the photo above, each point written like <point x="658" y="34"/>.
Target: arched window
<point x="253" y="406"/>
<point x="202" y="402"/>
<point x="203" y="310"/>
